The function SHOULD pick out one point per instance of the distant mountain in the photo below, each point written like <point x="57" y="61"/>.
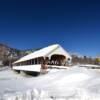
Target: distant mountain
<point x="28" y="51"/>
<point x="8" y="54"/>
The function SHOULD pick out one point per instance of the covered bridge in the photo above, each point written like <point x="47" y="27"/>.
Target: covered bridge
<point x="53" y="56"/>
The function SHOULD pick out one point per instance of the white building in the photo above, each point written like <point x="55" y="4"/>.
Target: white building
<point x="53" y="56"/>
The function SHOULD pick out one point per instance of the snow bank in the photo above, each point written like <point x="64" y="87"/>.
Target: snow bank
<point x="4" y="68"/>
<point x="64" y="82"/>
<point x="28" y="95"/>
<point x="75" y="83"/>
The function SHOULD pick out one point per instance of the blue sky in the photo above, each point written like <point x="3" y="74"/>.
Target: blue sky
<point x="75" y="24"/>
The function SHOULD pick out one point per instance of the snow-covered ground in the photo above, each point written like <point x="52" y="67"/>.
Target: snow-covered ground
<point x="76" y="83"/>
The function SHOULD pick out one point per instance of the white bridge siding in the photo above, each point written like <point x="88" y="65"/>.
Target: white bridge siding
<point x="34" y="68"/>
<point x="37" y="68"/>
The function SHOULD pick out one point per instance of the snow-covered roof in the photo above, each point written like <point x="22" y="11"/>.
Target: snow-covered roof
<point x="45" y="52"/>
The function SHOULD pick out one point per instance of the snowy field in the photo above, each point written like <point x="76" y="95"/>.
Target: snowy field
<point x="76" y="83"/>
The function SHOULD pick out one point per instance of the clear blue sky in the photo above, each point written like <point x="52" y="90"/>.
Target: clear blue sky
<point x="75" y="24"/>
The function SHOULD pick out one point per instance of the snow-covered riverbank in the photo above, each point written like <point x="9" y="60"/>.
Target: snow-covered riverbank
<point x="70" y="84"/>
